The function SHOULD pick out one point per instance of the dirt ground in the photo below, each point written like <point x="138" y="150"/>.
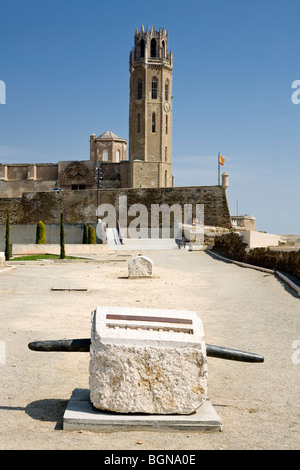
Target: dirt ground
<point x="259" y="403"/>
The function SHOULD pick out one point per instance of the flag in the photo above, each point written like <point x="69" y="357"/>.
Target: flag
<point x="221" y="160"/>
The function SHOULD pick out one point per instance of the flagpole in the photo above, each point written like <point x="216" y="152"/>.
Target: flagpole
<point x="219" y="169"/>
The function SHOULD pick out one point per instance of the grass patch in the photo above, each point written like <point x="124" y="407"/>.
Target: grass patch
<point x="38" y="257"/>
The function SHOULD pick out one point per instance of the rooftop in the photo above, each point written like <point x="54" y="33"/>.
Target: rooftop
<point x="108" y="135"/>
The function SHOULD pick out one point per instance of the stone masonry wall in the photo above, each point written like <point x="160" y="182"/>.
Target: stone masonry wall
<point x="80" y="206"/>
<point x="13" y="205"/>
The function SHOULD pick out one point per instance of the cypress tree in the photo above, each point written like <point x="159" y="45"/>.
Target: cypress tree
<point x="7" y="238"/>
<point x="85" y="239"/>
<point x="92" y="235"/>
<point x="62" y="237"/>
<point x="40" y="233"/>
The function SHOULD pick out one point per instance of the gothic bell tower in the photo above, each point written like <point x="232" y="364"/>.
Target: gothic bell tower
<point x="150" y="110"/>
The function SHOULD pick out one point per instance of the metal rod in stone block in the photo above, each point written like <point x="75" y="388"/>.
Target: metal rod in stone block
<point x="232" y="354"/>
<point x="61" y="345"/>
<point x="83" y="345"/>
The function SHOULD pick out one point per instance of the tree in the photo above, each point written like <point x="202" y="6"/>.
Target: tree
<point x="92" y="235"/>
<point x="62" y="237"/>
<point x="7" y="238"/>
<point x="85" y="239"/>
<point x="40" y="233"/>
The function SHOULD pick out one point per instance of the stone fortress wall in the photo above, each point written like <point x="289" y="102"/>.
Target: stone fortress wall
<point x="80" y="206"/>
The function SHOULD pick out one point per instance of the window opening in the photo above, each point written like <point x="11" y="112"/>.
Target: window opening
<point x="154" y="88"/>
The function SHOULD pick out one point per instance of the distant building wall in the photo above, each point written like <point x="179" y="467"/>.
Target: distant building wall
<point x="16" y="179"/>
<point x="259" y="239"/>
<point x="292" y="240"/>
<point x="245" y="222"/>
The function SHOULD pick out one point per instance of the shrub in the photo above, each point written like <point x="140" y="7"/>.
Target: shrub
<point x="62" y="237"/>
<point x="40" y="233"/>
<point x="92" y="235"/>
<point x="231" y="245"/>
<point x="7" y="238"/>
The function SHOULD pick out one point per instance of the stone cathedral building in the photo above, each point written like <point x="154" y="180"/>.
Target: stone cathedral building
<point x="149" y="163"/>
<point x="140" y="170"/>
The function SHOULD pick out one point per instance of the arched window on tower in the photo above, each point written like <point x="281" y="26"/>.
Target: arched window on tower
<point x="154" y="88"/>
<point x="167" y="90"/>
<point x="153" y="122"/>
<point x="163" y="49"/>
<point x="166" y="123"/>
<point x="117" y="156"/>
<point x="142" y="46"/>
<point x="153" y="47"/>
<point x="139" y="91"/>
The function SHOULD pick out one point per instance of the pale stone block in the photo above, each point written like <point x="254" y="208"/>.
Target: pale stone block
<point x="140" y="266"/>
<point x="147" y="361"/>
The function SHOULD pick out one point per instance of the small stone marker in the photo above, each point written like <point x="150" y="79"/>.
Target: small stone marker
<point x="140" y="266"/>
<point x="147" y="361"/>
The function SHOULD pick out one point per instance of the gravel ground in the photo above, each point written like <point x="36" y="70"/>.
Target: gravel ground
<point x="259" y="404"/>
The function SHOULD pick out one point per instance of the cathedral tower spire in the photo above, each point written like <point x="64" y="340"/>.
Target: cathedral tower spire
<point x="150" y="109"/>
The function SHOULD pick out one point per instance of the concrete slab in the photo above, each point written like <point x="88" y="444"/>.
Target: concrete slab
<point x="81" y="415"/>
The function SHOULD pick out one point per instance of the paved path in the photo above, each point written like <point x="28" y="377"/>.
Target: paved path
<point x="259" y="404"/>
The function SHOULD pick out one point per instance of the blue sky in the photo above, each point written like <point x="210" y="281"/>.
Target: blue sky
<point x="65" y="66"/>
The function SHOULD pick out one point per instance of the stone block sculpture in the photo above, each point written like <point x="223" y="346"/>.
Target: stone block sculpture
<point x="147" y="361"/>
